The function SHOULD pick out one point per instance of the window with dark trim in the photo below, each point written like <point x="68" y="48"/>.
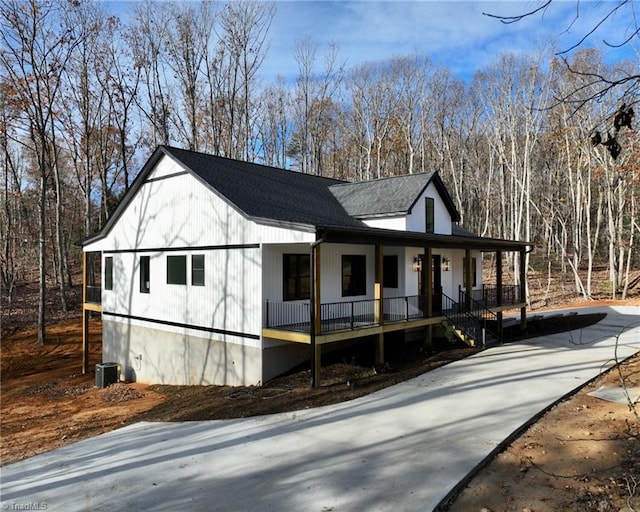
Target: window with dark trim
<point x="354" y="275"/>
<point x="176" y="270"/>
<point x="390" y="271"/>
<point x="429" y="215"/>
<point x="145" y="275"/>
<point x="108" y="273"/>
<point x="197" y="270"/>
<point x="297" y="276"/>
<point x="474" y="276"/>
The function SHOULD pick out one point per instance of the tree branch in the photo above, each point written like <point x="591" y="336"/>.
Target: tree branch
<point x="507" y="20"/>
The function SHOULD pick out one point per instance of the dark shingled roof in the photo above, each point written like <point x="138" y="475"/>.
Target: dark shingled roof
<point x="460" y="231"/>
<point x="267" y="194"/>
<point x="381" y="197"/>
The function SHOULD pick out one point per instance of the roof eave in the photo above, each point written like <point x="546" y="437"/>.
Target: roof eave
<point x="385" y="215"/>
<point x="415" y="239"/>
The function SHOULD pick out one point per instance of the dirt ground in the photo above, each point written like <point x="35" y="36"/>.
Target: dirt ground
<point x="583" y="455"/>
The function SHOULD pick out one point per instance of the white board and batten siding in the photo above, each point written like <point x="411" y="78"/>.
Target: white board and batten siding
<point x="416" y="219"/>
<point x="399" y="223"/>
<point x="175" y="209"/>
<point x="174" y="214"/>
<point x="227" y="302"/>
<point x="330" y="269"/>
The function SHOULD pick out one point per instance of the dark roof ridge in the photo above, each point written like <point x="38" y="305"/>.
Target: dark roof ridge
<point x="384" y="178"/>
<point x="239" y="163"/>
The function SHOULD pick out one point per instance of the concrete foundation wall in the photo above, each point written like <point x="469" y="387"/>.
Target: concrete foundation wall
<point x="156" y="356"/>
<point x="282" y="358"/>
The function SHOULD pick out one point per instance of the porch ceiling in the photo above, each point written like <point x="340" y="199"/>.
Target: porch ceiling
<point x="376" y="236"/>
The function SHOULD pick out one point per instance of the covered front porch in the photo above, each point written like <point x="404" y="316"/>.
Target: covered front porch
<point x="318" y="323"/>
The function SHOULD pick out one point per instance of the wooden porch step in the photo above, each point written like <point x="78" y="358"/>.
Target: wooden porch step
<point x="452" y="331"/>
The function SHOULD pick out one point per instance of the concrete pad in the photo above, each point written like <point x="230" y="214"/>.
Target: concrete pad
<point x="402" y="448"/>
<point x="617" y="395"/>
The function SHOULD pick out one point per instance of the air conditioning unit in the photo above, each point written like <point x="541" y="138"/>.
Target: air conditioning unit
<point x="107" y="374"/>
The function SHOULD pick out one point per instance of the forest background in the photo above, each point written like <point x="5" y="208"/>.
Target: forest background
<point x="533" y="147"/>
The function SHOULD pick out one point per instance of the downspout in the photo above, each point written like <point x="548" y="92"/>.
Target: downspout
<point x="315" y="364"/>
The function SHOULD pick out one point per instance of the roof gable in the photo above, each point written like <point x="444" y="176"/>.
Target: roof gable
<point x="395" y="195"/>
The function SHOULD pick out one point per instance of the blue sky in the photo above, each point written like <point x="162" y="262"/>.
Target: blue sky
<point x="454" y="33"/>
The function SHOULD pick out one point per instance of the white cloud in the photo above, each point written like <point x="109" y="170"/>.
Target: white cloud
<point x="453" y="33"/>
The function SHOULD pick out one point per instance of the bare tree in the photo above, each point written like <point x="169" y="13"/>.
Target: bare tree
<point x="513" y="98"/>
<point x="191" y="28"/>
<point x="37" y="45"/>
<point x="243" y="32"/>
<point x="314" y="99"/>
<point x="120" y="77"/>
<point x="274" y="123"/>
<point x="149" y="31"/>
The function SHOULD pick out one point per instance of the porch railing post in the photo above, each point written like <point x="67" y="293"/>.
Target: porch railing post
<point x="351" y="316"/>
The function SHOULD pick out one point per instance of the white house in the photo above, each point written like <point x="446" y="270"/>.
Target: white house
<point x="216" y="271"/>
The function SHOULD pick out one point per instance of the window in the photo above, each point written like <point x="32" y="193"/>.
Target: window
<point x="473" y="270"/>
<point x="144" y="274"/>
<point x="108" y="273"/>
<point x="390" y="271"/>
<point x="176" y="270"/>
<point x="429" y="218"/>
<point x="354" y="275"/>
<point x="197" y="270"/>
<point x="297" y="276"/>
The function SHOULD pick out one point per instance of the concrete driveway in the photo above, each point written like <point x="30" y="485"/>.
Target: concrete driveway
<point x="403" y="448"/>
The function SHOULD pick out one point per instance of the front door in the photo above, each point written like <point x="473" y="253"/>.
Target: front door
<point x="436" y="280"/>
<point x="436" y="292"/>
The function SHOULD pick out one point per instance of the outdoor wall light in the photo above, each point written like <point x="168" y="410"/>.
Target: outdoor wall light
<point x="417" y="264"/>
<point x="446" y="264"/>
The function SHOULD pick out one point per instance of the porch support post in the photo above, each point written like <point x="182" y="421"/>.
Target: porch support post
<point x="499" y="291"/>
<point x="315" y="313"/>
<point x="427" y="278"/>
<point x="468" y="285"/>
<point x="523" y="289"/>
<point x="85" y="317"/>
<point x="378" y="295"/>
<point x="85" y="340"/>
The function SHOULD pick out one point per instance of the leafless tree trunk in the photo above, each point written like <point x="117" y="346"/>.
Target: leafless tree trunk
<point x="37" y="46"/>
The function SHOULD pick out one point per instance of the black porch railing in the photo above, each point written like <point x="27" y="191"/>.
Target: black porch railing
<point x="401" y="309"/>
<point x="339" y="316"/>
<point x="488" y="295"/>
<point x="469" y="317"/>
<point x="93" y="294"/>
<point x="350" y="315"/>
